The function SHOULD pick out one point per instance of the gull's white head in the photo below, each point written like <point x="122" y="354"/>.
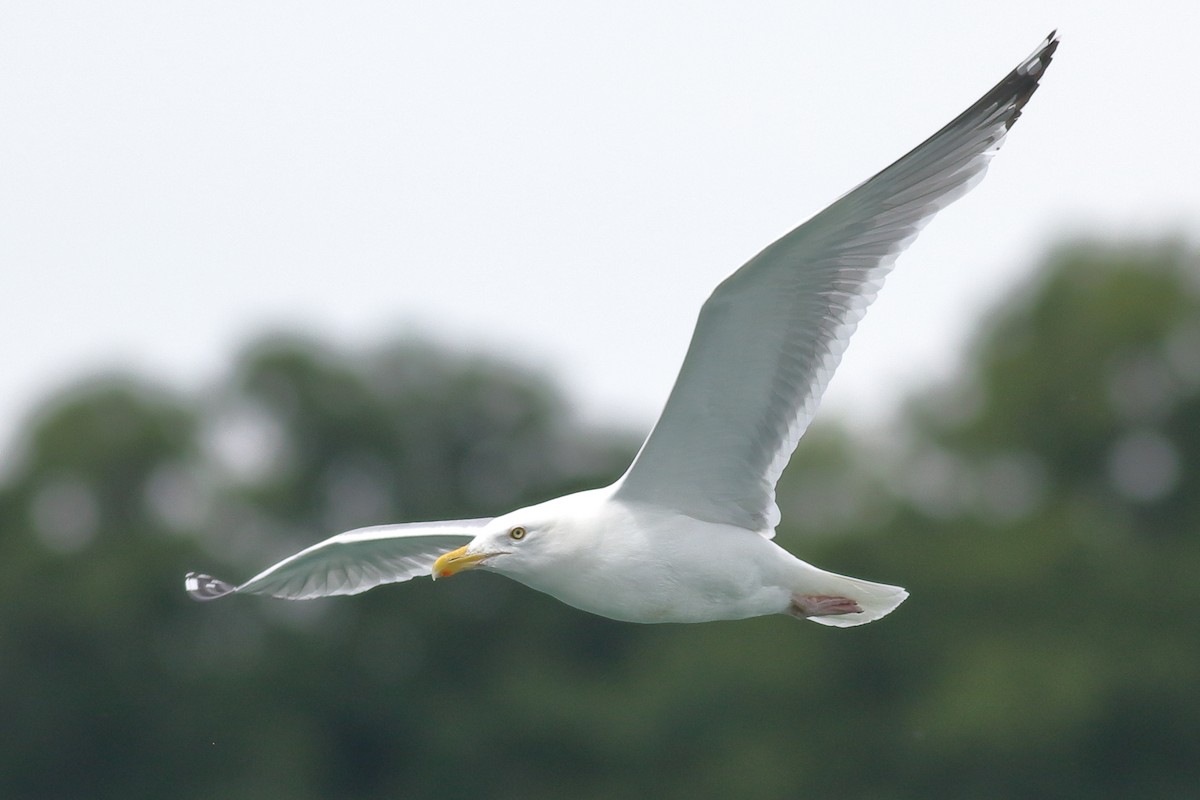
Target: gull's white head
<point x="529" y="541"/>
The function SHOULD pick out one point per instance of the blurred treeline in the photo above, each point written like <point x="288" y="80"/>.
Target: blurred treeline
<point x="1043" y="509"/>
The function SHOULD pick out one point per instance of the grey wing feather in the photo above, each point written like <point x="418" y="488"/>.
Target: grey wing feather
<point x="771" y="335"/>
<point x="349" y="563"/>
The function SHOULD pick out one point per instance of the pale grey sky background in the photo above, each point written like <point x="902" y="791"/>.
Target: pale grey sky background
<point x="559" y="182"/>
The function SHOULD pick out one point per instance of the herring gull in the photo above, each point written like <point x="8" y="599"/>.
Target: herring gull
<point x="685" y="535"/>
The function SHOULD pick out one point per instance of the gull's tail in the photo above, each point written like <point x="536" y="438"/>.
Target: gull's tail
<point x="821" y="591"/>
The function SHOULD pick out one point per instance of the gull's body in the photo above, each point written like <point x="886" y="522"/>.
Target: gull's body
<point x="624" y="560"/>
<point x="685" y="535"/>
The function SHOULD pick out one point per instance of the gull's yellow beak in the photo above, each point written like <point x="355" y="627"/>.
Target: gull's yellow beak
<point x="456" y="561"/>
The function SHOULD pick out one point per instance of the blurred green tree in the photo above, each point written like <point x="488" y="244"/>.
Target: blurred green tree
<point x="1042" y="509"/>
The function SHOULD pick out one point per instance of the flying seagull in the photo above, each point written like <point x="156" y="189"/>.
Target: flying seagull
<point x="685" y="535"/>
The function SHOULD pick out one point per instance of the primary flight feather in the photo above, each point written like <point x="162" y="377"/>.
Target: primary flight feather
<point x="685" y="534"/>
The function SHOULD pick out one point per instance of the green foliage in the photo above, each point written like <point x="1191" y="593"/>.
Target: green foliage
<point x="1042" y="511"/>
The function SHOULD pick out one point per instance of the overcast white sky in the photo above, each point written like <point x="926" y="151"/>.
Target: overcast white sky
<point x="560" y="182"/>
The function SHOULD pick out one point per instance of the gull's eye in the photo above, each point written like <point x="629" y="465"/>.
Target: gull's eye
<point x="517" y="534"/>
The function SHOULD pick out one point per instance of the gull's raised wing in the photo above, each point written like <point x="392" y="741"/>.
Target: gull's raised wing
<point x="350" y="562"/>
<point x="770" y="336"/>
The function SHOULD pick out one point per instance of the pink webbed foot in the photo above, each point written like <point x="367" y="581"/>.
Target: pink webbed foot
<point x="821" y="605"/>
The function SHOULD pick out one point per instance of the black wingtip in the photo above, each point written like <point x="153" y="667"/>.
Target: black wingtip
<point x="206" y="587"/>
<point x="1023" y="81"/>
<point x="1040" y="58"/>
